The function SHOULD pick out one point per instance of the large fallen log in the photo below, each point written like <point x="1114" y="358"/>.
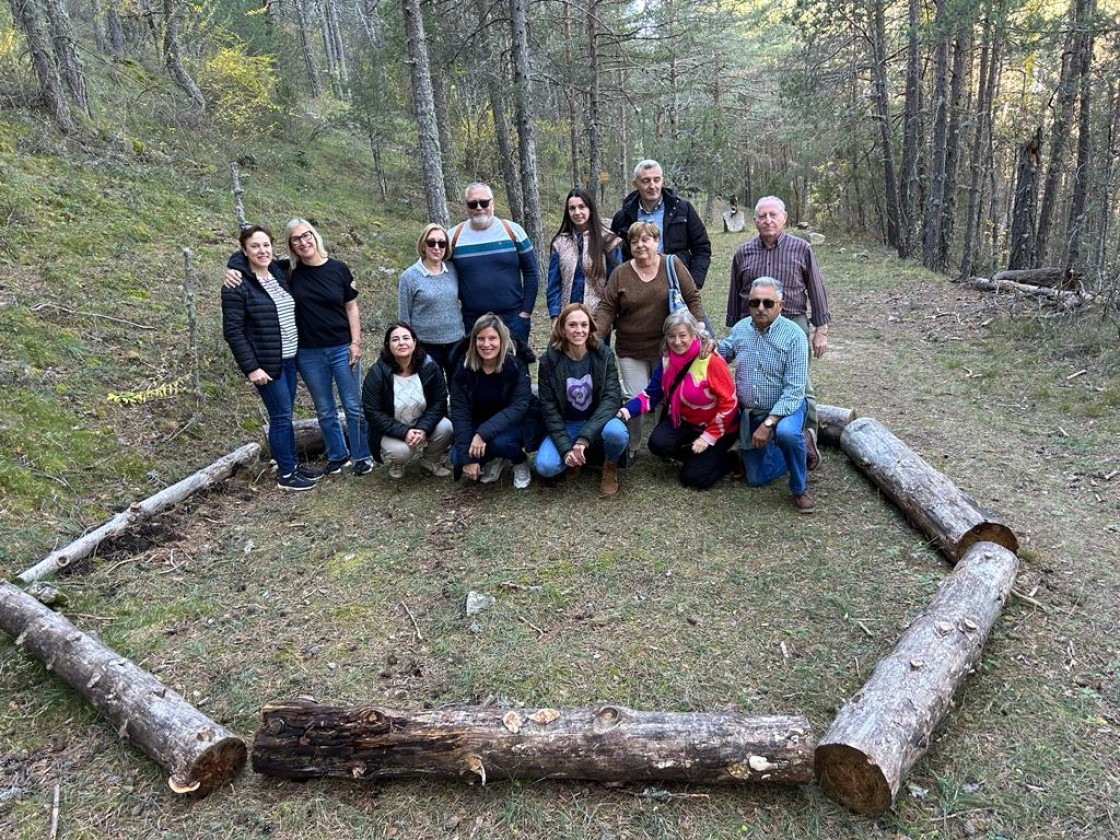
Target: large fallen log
<point x="199" y="754"/>
<point x="1064" y="299"/>
<point x="309" y="438"/>
<point x="138" y="512"/>
<point x="946" y="514"/>
<point x="831" y="422"/>
<point x="302" y="740"/>
<point x="1064" y="278"/>
<point x="886" y="727"/>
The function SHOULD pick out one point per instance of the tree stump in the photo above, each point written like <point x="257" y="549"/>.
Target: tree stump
<point x="302" y="740"/>
<point x="199" y="754"/>
<point x="946" y="514"/>
<point x="885" y="728"/>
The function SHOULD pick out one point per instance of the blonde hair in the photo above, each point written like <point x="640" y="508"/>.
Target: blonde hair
<point x="426" y="232"/>
<point x="505" y="344"/>
<point x="319" y="246"/>
<point x="638" y="228"/>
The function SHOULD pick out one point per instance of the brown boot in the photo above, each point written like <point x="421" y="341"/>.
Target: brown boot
<point x="812" y="454"/>
<point x="608" y="485"/>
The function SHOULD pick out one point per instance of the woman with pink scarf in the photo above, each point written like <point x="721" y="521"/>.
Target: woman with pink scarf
<point x="700" y="422"/>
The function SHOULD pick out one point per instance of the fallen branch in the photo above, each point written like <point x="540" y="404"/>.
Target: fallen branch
<point x="137" y="512"/>
<point x="1064" y="299"/>
<point x="68" y="311"/>
<point x="885" y="728"/>
<point x="302" y="740"/>
<point x="199" y="754"/>
<point x="945" y="513"/>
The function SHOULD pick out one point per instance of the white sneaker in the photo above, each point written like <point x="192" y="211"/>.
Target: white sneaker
<point x="492" y="471"/>
<point x="522" y="477"/>
<point x="434" y="467"/>
<point x="396" y="471"/>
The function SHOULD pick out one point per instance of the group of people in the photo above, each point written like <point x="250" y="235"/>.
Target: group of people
<point x="451" y="388"/>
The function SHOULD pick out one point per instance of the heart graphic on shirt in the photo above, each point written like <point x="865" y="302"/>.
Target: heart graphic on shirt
<point x="579" y="392"/>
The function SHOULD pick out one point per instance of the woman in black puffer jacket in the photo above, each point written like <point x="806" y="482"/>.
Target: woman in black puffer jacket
<point x="259" y="324"/>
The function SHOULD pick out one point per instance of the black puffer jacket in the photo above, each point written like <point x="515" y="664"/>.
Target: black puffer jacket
<point x="378" y="403"/>
<point x="249" y="321"/>
<point x="684" y="233"/>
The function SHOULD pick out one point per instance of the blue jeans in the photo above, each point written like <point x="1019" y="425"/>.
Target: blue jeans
<point x="784" y="452"/>
<point x="278" y="397"/>
<point x="611" y="445"/>
<point x="321" y="367"/>
<point x="508" y="444"/>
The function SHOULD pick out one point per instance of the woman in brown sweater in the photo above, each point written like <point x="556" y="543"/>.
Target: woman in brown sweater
<point x="635" y="305"/>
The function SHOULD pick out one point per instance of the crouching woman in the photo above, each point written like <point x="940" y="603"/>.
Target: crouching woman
<point x="580" y="394"/>
<point x="490" y="396"/>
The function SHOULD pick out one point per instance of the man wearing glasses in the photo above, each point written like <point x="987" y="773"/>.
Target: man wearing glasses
<point x="790" y="259"/>
<point x="496" y="265"/>
<point x="771" y="355"/>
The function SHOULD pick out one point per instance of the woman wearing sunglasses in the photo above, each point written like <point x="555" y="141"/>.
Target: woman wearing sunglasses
<point x="428" y="297"/>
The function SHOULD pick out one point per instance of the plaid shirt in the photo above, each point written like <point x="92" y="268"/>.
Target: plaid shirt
<point x="790" y="260"/>
<point x="770" y="367"/>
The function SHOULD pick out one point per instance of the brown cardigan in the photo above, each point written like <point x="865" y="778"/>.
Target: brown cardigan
<point x="636" y="310"/>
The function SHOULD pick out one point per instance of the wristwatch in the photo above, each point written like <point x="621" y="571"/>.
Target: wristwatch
<point x="770" y="422"/>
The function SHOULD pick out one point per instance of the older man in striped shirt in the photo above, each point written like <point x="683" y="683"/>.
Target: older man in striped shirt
<point x="775" y="253"/>
<point x="771" y="355"/>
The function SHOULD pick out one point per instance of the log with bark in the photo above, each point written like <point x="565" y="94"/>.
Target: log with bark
<point x="1064" y="299"/>
<point x="886" y="727"/>
<point x="199" y="754"/>
<point x="308" y="435"/>
<point x="138" y="512"/>
<point x="831" y="422"/>
<point x="302" y="740"/>
<point x="944" y="513"/>
<point x="1063" y="278"/>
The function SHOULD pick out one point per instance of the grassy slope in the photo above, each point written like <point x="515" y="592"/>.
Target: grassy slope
<point x="661" y="598"/>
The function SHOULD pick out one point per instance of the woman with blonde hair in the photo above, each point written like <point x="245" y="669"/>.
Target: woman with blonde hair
<point x="577" y="381"/>
<point x="428" y="297"/>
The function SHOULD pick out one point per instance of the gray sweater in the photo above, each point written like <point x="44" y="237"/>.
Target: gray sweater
<point x="430" y="303"/>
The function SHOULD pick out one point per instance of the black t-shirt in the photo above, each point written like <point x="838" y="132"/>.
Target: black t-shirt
<point x="578" y="388"/>
<point x="321" y="293"/>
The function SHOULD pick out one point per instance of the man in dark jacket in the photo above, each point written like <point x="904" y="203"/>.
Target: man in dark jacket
<point x="682" y="231"/>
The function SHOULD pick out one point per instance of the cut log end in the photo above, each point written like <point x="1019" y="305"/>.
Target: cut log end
<point x="989" y="531"/>
<point x="852" y="778"/>
<point x="214" y="768"/>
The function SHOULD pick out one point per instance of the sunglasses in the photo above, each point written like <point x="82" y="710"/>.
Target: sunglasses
<point x="436" y="243"/>
<point x="755" y="303"/>
<point x="475" y="203"/>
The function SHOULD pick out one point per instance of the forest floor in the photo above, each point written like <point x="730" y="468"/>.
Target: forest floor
<point x="660" y="598"/>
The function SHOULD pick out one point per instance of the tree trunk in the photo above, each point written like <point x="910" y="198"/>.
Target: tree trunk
<point x="424" y="103"/>
<point x="886" y="727"/>
<point x="173" y="59"/>
<point x="199" y="754"/>
<point x="66" y="52"/>
<point x="301" y="740"/>
<point x="939" y="132"/>
<point x="912" y="135"/>
<point x="137" y="512"/>
<point x="594" y="146"/>
<point x="116" y="28"/>
<point x="30" y="17"/>
<point x="523" y="105"/>
<point x="989" y="58"/>
<point x="1064" y="299"/>
<point x="1081" y="174"/>
<point x="831" y="422"/>
<point x="1061" y="277"/>
<point x="303" y="27"/>
<point x="338" y="47"/>
<point x="883" y="116"/>
<point x="941" y="510"/>
<point x="1023" y="238"/>
<point x="97" y="20"/>
<point x="496" y="92"/>
<point x="443" y="126"/>
<point x="962" y="48"/>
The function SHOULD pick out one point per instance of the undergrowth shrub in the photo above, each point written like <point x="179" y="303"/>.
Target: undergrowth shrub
<point x="240" y="91"/>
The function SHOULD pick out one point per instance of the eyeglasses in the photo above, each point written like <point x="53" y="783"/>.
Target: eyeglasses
<point x="768" y="303"/>
<point x="303" y="238"/>
<point x="475" y="203"/>
<point x="436" y="243"/>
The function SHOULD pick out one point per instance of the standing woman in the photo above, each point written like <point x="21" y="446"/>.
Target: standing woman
<point x="405" y="401"/>
<point x="259" y="324"/>
<point x="700" y="422"/>
<point x="428" y="297"/>
<point x="580" y="395"/>
<point x="490" y="395"/>
<point x="584" y="252"/>
<point x="635" y="305"/>
<point x="330" y="344"/>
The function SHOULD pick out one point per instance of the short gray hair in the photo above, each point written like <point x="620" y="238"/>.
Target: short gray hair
<point x="769" y="199"/>
<point x="680" y="318"/>
<point x="643" y="165"/>
<point x="768" y="283"/>
<point x="478" y="185"/>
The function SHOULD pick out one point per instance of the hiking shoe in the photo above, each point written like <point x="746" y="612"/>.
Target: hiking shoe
<point x="396" y="471"/>
<point x="522" y="477"/>
<point x="336" y="466"/>
<point x="310" y="473"/>
<point x="812" y="454"/>
<point x="492" y="471"/>
<point x="363" y="467"/>
<point x="608" y="484"/>
<point x="804" y="503"/>
<point x="294" y="481"/>
<point x="434" y="467"/>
